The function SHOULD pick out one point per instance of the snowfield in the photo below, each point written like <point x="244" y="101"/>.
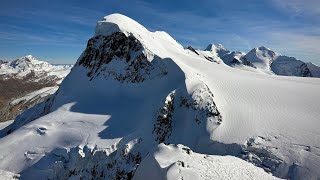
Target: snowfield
<point x="132" y="89"/>
<point x="176" y="162"/>
<point x="8" y="175"/>
<point x="36" y="94"/>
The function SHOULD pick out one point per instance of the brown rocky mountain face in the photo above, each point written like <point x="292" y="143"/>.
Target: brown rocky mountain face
<point x="12" y="87"/>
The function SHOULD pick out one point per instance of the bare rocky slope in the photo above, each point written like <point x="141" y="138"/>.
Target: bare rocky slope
<point x="23" y="76"/>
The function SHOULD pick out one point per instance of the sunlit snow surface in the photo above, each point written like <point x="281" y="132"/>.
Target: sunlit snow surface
<point x="179" y="162"/>
<point x="270" y="116"/>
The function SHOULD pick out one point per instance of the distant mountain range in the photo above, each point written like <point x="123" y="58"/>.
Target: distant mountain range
<point x="25" y="82"/>
<point x="260" y="60"/>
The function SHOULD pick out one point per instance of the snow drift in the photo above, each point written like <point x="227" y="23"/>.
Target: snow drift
<point x="179" y="162"/>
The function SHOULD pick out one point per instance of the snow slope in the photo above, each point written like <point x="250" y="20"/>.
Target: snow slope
<point x="179" y="162"/>
<point x="5" y="124"/>
<point x="8" y="175"/>
<point x="132" y="89"/>
<point x="35" y="95"/>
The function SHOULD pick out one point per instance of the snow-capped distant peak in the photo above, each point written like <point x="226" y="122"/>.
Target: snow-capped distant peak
<point x="28" y="57"/>
<point x="27" y="64"/>
<point x="266" y="51"/>
<point x="264" y="60"/>
<point x="262" y="48"/>
<point x="215" y="47"/>
<point x="262" y="57"/>
<point x="210" y="47"/>
<point x="220" y="46"/>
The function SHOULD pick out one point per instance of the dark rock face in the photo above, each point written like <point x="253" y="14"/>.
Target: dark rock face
<point x="101" y="50"/>
<point x="235" y="61"/>
<point x="305" y="72"/>
<point x="247" y="63"/>
<point x="132" y="64"/>
<point x="2" y="62"/>
<point x="201" y="105"/>
<point x="231" y="59"/>
<point x="163" y="127"/>
<point x="192" y="49"/>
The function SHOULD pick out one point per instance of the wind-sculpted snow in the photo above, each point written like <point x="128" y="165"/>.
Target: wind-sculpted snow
<point x="179" y="162"/>
<point x="132" y="89"/>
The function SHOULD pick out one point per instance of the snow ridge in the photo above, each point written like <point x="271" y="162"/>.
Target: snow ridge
<point x="132" y="89"/>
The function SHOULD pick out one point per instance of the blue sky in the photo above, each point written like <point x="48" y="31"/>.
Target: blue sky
<point x="58" y="30"/>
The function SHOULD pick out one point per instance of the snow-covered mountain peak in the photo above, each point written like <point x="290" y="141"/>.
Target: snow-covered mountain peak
<point x="210" y="47"/>
<point x="215" y="47"/>
<point x="264" y="52"/>
<point x="220" y="46"/>
<point x="119" y="23"/>
<point x="30" y="57"/>
<point x="261" y="57"/>
<point x="125" y="50"/>
<point x="27" y="62"/>
<point x="23" y="66"/>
